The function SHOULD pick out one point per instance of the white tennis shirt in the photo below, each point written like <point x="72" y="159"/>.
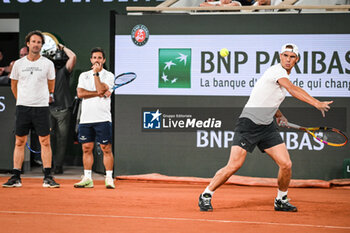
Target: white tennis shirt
<point x="32" y="76"/>
<point x="95" y="109"/>
<point x="266" y="96"/>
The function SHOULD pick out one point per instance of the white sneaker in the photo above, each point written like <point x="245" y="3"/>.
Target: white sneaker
<point x="84" y="183"/>
<point x="109" y="182"/>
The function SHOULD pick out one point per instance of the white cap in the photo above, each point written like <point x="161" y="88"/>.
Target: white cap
<point x="294" y="49"/>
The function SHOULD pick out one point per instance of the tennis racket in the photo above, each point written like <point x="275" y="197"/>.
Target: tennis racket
<point x="123" y="79"/>
<point x="327" y="135"/>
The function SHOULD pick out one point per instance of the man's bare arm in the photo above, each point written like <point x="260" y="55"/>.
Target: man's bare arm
<point x="72" y="58"/>
<point x="51" y="85"/>
<point x="302" y="95"/>
<point x="14" y="87"/>
<point x="85" y="94"/>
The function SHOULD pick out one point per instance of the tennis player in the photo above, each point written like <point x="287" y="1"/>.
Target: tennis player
<point x="94" y="87"/>
<point x="32" y="84"/>
<point x="255" y="127"/>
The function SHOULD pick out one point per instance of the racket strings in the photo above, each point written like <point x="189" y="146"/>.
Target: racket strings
<point x="331" y="136"/>
<point x="124" y="79"/>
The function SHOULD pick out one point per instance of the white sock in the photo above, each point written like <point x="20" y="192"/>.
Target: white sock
<point x="207" y="190"/>
<point x="109" y="173"/>
<point x="281" y="194"/>
<point x="87" y="174"/>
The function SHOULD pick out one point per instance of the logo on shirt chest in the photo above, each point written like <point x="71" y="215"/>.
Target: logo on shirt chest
<point x="31" y="70"/>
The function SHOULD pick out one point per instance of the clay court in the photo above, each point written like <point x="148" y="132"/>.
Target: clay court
<point x="160" y="206"/>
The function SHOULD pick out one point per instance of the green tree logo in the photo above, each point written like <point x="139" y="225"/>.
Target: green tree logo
<point x="174" y="68"/>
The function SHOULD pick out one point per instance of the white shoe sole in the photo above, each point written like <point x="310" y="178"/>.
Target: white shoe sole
<point x="12" y="186"/>
<point x="49" y="186"/>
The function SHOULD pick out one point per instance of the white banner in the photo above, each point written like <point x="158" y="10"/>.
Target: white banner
<point x="191" y="65"/>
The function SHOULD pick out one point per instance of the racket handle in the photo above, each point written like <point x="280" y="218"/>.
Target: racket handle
<point x="291" y="125"/>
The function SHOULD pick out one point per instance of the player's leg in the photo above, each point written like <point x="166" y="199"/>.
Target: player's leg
<point x="23" y="124"/>
<point x="280" y="155"/>
<point x="237" y="157"/>
<point x="41" y="124"/>
<point x="46" y="153"/>
<point x="88" y="157"/>
<point x="18" y="153"/>
<point x="108" y="162"/>
<point x="18" y="157"/>
<point x="104" y="137"/>
<point x="86" y="137"/>
<point x="108" y="159"/>
<point x="46" y="157"/>
<point x="88" y="160"/>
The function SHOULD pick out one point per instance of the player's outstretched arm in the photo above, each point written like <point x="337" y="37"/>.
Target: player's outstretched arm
<point x="302" y="95"/>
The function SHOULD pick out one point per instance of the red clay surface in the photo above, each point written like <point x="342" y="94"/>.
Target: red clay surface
<point x="136" y="206"/>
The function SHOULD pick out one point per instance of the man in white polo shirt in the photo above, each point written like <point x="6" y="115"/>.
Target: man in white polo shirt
<point x="94" y="87"/>
<point x="32" y="84"/>
<point x="255" y="127"/>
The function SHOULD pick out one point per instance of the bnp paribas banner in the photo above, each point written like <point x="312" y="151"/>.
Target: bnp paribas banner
<point x="192" y="65"/>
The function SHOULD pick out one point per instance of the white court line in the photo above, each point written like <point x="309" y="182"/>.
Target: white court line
<point x="176" y="219"/>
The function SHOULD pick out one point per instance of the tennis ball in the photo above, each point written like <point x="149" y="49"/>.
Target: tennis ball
<point x="224" y="52"/>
